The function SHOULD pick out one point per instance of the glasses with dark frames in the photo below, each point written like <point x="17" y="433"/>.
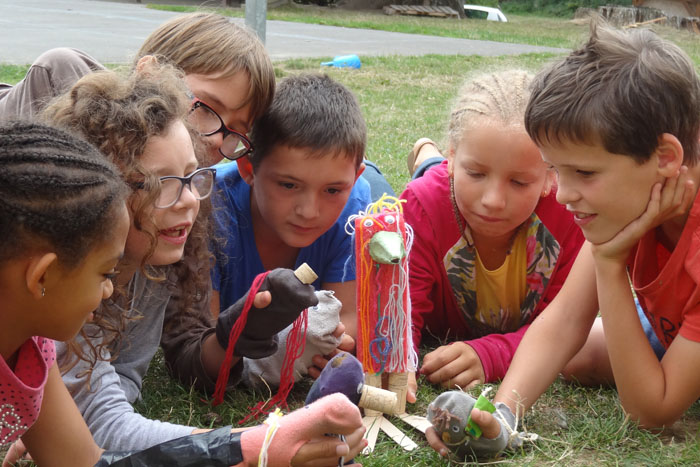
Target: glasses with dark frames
<point x="207" y="122"/>
<point x="200" y="183"/>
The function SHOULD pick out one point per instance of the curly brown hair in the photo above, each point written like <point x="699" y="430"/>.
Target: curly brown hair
<point x="119" y="114"/>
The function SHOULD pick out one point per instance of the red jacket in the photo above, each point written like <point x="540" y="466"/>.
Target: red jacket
<point x="435" y="310"/>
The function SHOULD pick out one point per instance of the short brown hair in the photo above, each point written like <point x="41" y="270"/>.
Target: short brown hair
<point x="311" y="111"/>
<point x="211" y="44"/>
<point x="622" y="89"/>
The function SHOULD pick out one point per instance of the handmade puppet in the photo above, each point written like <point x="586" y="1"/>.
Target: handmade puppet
<point x="384" y="340"/>
<point x="323" y="319"/>
<point x="291" y="295"/>
<point x="450" y="415"/>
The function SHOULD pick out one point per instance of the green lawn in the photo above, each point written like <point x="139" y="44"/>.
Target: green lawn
<point x="404" y="98"/>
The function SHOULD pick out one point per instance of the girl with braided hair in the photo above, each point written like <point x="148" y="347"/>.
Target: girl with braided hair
<point x="63" y="222"/>
<point x="492" y="245"/>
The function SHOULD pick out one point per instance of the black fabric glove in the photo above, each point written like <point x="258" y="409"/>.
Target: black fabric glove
<point x="217" y="448"/>
<point x="259" y="337"/>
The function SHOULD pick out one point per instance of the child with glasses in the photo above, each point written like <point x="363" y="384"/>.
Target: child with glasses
<point x="287" y="202"/>
<point x="227" y="70"/>
<point x="139" y="124"/>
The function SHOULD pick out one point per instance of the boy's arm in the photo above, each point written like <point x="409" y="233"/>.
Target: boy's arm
<point x="553" y="338"/>
<point x="652" y="392"/>
<point x="60" y="435"/>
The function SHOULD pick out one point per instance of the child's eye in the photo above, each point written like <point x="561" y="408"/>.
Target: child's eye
<point x="585" y="173"/>
<point x="111" y="275"/>
<point x="475" y="174"/>
<point x="287" y="185"/>
<point x="333" y="191"/>
<point x="519" y="183"/>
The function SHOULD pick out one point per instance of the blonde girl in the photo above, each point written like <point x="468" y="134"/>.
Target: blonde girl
<point x="492" y="246"/>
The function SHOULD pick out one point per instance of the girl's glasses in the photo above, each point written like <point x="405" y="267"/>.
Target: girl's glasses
<point x="200" y="182"/>
<point x="207" y="122"/>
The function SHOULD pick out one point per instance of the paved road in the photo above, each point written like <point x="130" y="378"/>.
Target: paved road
<point x="113" y="31"/>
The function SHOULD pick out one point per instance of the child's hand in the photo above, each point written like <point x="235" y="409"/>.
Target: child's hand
<point x="327" y="450"/>
<point x="15" y="453"/>
<point x="347" y="344"/>
<point x="448" y="415"/>
<point x="333" y="414"/>
<point x="289" y="297"/>
<point x="490" y="429"/>
<point x="672" y="199"/>
<point x="453" y="365"/>
<point x="412" y="388"/>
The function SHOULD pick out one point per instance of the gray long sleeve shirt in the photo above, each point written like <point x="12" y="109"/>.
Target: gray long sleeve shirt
<point x="114" y="386"/>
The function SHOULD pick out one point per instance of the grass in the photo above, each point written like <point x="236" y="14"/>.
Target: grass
<point x="404" y="98"/>
<point x="520" y="28"/>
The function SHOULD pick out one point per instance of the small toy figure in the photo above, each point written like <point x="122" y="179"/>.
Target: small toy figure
<point x="384" y="339"/>
<point x="450" y="416"/>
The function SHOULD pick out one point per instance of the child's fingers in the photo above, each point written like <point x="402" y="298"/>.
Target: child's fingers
<point x="490" y="427"/>
<point x="438" y="358"/>
<point x="339" y="330"/>
<point x="412" y="388"/>
<point x="326" y="451"/>
<point x="435" y="442"/>
<point x="262" y="299"/>
<point x="347" y="343"/>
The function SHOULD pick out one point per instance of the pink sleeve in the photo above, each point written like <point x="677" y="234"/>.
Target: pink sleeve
<point x="496" y="351"/>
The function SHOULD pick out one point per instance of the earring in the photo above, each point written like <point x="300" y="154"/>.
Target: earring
<point x="545" y="192"/>
<point x="43" y="291"/>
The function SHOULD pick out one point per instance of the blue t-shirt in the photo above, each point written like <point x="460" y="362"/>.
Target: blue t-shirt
<point x="237" y="258"/>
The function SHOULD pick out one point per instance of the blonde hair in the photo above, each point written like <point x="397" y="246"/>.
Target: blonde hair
<point x="211" y="44"/>
<point x="499" y="97"/>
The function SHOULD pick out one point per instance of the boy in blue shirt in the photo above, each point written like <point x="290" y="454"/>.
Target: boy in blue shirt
<point x="287" y="202"/>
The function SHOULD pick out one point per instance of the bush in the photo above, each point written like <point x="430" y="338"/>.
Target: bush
<point x="553" y="7"/>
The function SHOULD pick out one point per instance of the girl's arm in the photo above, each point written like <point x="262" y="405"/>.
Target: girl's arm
<point x="108" y="412"/>
<point x="60" y="436"/>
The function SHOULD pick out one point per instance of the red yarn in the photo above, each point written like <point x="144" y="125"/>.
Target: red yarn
<point x="296" y="342"/>
<point x="235" y="333"/>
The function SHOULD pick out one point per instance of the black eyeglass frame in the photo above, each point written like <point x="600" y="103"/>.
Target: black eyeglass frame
<point x="183" y="181"/>
<point x="196" y="103"/>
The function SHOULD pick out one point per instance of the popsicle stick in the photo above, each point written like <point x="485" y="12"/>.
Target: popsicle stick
<point x="398" y="436"/>
<point x="419" y="423"/>
<point x="372" y="424"/>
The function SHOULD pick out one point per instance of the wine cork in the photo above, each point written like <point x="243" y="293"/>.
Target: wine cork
<point x="374" y="380"/>
<point x="305" y="274"/>
<point x="398" y="384"/>
<point x="377" y="399"/>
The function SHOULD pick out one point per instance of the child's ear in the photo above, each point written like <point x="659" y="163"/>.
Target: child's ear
<point x="550" y="182"/>
<point x="669" y="154"/>
<point x="245" y="168"/>
<point x="360" y="169"/>
<point x="37" y="272"/>
<point x="450" y="156"/>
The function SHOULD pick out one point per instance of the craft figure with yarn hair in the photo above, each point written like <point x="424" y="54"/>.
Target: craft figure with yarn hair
<point x="384" y="338"/>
